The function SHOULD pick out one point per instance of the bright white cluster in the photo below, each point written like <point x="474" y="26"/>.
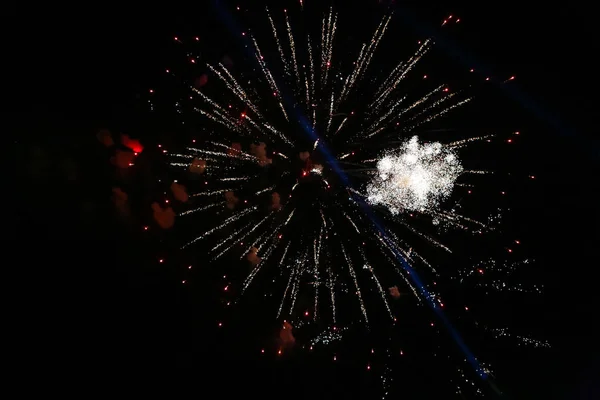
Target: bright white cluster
<point x="417" y="177"/>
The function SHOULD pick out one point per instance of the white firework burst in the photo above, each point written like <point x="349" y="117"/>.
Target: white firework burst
<point x="416" y="177"/>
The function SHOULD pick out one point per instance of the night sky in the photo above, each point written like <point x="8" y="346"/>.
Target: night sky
<point x="92" y="307"/>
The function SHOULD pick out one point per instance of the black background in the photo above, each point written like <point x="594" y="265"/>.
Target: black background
<point x="88" y="309"/>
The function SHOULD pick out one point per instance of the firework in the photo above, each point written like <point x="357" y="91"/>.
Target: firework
<point x="416" y="178"/>
<point x="288" y="167"/>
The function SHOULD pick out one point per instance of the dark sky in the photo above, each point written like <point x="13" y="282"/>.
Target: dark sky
<point x="70" y="71"/>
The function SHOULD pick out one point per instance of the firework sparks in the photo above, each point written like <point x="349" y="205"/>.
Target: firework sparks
<point x="280" y="203"/>
<point x="416" y="178"/>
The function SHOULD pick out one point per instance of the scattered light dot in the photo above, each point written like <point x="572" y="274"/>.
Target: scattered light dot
<point x="161" y="260"/>
<point x="220" y="324"/>
<point x="183" y="282"/>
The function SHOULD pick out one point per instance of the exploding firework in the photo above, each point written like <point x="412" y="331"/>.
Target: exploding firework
<point x="417" y="178"/>
<point x="288" y="167"/>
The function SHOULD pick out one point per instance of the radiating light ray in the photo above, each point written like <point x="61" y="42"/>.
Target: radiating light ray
<point x="316" y="256"/>
<point x="352" y="223"/>
<point x="265" y="190"/>
<point x="358" y="294"/>
<point x="364" y="59"/>
<point x="522" y="340"/>
<point x="263" y="260"/>
<point x="380" y="290"/>
<point x="341" y="126"/>
<point x="240" y="156"/>
<point x="425" y="236"/>
<point x="217" y="111"/>
<point x="279" y="47"/>
<point x="287" y="288"/>
<point x="385" y="246"/>
<point x="327" y="36"/>
<point x="461" y="143"/>
<point x="244" y="253"/>
<point x="244" y="236"/>
<point x="377" y="127"/>
<point x="203" y="208"/>
<point x="421" y="101"/>
<point x="332" y="294"/>
<point x="301" y="265"/>
<point x="477" y="172"/>
<point x="228" y="221"/>
<point x="237" y="178"/>
<point x="500" y="285"/>
<point x="268" y="75"/>
<point x="292" y="48"/>
<point x="311" y="69"/>
<point x="401" y="74"/>
<point x="232" y="236"/>
<point x="235" y="88"/>
<point x="212" y="193"/>
<point x="439" y="114"/>
<point x="330" y="114"/>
